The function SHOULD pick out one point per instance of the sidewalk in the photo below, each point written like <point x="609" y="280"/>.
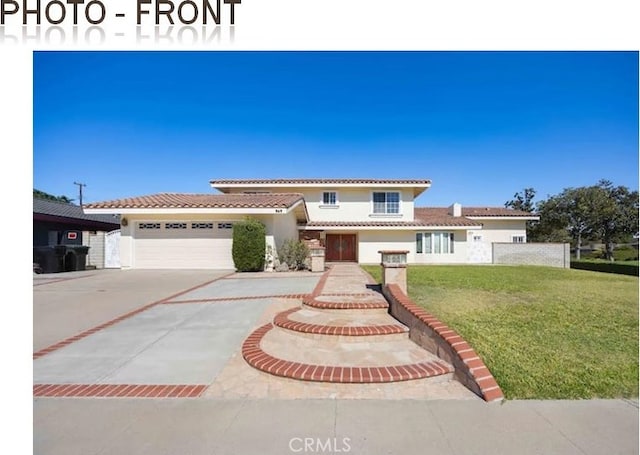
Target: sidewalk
<point x="368" y="427"/>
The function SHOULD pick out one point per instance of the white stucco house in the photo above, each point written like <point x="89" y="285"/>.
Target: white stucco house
<point x="352" y="218"/>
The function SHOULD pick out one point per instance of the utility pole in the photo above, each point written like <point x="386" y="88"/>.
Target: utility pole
<point x="80" y="185"/>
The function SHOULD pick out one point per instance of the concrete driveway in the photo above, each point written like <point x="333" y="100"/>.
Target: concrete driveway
<point x="179" y="327"/>
<point x="65" y="304"/>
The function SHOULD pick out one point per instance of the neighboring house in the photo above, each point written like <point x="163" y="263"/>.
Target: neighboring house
<point x="51" y="219"/>
<point x="352" y="218"/>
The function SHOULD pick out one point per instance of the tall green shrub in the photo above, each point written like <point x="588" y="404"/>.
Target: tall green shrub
<point x="249" y="245"/>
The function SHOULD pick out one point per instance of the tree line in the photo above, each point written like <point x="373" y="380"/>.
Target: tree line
<point x="50" y="197"/>
<point x="601" y="212"/>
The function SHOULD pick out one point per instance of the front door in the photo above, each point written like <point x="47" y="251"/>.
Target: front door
<point x="341" y="247"/>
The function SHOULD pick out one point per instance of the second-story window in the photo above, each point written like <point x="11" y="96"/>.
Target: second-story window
<point x="386" y="202"/>
<point x="329" y="198"/>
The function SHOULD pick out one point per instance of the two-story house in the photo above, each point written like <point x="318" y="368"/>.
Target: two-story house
<point x="352" y="218"/>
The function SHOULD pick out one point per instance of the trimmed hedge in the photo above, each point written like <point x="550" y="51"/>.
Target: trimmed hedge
<point x="607" y="267"/>
<point x="249" y="245"/>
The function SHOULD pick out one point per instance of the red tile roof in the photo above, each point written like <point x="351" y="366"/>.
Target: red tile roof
<point x="493" y="211"/>
<point x="314" y="181"/>
<point x="182" y="200"/>
<point x="440" y="216"/>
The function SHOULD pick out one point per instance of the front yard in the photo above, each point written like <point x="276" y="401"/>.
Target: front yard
<point x="543" y="332"/>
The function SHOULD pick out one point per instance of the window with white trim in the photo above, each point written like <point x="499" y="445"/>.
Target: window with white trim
<point x="329" y="198"/>
<point x="518" y="239"/>
<point x="387" y="202"/>
<point x="434" y="242"/>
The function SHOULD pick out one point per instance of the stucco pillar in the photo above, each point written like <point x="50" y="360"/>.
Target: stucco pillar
<point x="317" y="258"/>
<point x="394" y="268"/>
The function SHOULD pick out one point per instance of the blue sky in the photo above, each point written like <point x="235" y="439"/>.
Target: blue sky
<point x="480" y="125"/>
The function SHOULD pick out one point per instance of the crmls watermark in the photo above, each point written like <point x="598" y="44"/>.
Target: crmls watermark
<point x="320" y="445"/>
<point x="97" y="35"/>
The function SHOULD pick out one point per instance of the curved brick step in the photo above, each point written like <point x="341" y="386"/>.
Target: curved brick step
<point x="263" y="361"/>
<point x="344" y="303"/>
<point x="361" y="351"/>
<point x="347" y="311"/>
<point x="323" y="324"/>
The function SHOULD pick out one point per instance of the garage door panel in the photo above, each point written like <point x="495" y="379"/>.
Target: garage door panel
<point x="183" y="248"/>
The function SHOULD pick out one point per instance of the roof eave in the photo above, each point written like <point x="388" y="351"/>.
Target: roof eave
<point x="386" y="228"/>
<point x="192" y="210"/>
<point x="300" y="210"/>
<point x="419" y="188"/>
<point x="503" y="217"/>
<point x="69" y="220"/>
<point x="417" y="191"/>
<point x="356" y="228"/>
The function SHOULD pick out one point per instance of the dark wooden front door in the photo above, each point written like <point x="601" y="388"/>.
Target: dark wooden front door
<point x="341" y="247"/>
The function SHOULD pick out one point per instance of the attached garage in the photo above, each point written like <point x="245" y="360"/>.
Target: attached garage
<point x="195" y="231"/>
<point x="183" y="245"/>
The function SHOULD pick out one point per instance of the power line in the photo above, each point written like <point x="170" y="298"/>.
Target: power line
<point x="80" y="186"/>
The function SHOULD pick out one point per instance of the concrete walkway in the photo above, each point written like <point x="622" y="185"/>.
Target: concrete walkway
<point x="344" y="334"/>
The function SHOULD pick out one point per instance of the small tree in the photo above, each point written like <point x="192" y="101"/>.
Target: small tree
<point x="294" y="253"/>
<point x="552" y="226"/>
<point x="574" y="209"/>
<point x="249" y="245"/>
<point x="522" y="200"/>
<point x="617" y="217"/>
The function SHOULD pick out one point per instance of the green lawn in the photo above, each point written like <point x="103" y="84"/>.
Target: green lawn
<point x="543" y="332"/>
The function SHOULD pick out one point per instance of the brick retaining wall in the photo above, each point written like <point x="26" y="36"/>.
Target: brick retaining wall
<point x="434" y="336"/>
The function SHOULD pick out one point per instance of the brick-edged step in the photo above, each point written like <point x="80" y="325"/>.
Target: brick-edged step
<point x="309" y="321"/>
<point x="424" y="365"/>
<point x="331" y="302"/>
<point x="345" y="312"/>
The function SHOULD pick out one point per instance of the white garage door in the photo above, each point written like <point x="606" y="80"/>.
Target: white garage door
<point x="183" y="245"/>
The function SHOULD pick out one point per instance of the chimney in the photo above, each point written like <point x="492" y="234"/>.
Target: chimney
<point x="455" y="209"/>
